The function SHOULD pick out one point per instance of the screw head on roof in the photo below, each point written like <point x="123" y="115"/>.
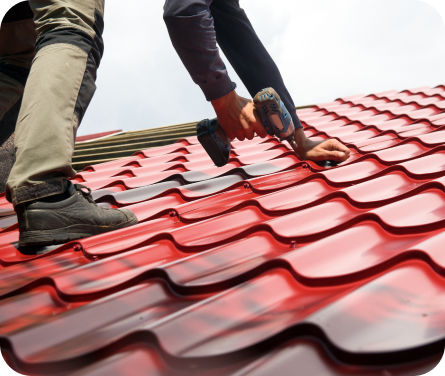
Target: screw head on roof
<point x="246" y="185"/>
<point x="305" y="165"/>
<point x="293" y="244"/>
<point x="95" y="258"/>
<point x="77" y="248"/>
<point x="172" y="213"/>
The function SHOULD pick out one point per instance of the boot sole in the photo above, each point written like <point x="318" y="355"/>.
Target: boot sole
<point x="66" y="234"/>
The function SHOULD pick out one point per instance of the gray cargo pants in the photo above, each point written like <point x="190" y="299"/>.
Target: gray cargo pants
<point x="49" y="54"/>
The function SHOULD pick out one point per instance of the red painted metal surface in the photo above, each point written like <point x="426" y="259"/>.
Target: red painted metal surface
<point x="267" y="265"/>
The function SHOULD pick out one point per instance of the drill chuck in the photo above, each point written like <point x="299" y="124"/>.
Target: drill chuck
<point x="293" y="145"/>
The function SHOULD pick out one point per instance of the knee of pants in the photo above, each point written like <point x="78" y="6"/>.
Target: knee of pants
<point x="75" y="37"/>
<point x="89" y="43"/>
<point x="184" y="8"/>
<point x="79" y="23"/>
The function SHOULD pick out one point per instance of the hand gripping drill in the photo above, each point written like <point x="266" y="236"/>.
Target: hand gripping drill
<point x="272" y="113"/>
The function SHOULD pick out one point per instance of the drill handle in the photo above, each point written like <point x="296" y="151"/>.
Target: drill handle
<point x="274" y="114"/>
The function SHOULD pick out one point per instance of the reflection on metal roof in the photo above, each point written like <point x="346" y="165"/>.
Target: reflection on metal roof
<point x="269" y="265"/>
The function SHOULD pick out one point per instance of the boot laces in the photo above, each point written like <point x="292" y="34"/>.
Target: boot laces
<point x="87" y="195"/>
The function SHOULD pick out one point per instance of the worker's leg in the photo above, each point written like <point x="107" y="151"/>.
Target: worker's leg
<point x="242" y="47"/>
<point x="50" y="209"/>
<point x="60" y="86"/>
<point x="17" y="41"/>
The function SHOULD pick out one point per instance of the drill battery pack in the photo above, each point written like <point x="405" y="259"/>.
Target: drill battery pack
<point x="214" y="140"/>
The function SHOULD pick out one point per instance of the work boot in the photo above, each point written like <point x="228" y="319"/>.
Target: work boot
<point x="67" y="216"/>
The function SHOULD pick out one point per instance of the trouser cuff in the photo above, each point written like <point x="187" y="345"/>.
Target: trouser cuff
<point x="30" y="193"/>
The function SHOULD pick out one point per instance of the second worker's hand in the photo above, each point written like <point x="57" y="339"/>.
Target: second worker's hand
<point x="331" y="149"/>
<point x="238" y="118"/>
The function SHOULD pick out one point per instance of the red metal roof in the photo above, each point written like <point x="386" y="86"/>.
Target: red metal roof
<point x="269" y="265"/>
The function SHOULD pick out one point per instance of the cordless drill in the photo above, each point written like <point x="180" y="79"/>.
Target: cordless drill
<point x="272" y="113"/>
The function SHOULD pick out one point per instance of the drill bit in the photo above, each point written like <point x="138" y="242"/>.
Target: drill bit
<point x="293" y="145"/>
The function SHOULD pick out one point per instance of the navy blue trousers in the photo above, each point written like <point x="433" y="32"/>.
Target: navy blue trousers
<point x="196" y="26"/>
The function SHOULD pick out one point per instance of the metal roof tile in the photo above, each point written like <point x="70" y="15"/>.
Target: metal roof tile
<point x="254" y="268"/>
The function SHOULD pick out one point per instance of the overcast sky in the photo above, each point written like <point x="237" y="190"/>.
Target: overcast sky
<point x="325" y="49"/>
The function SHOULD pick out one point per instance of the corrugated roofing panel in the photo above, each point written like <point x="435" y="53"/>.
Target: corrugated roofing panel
<point x="268" y="265"/>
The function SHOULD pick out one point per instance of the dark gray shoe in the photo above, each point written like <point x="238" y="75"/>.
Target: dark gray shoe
<point x="69" y="216"/>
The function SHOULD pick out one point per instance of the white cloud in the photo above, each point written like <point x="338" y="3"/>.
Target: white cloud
<point x="324" y="49"/>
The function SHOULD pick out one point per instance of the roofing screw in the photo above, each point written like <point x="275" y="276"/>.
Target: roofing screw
<point x="293" y="244"/>
<point x="246" y="185"/>
<point x="305" y="165"/>
<point x="172" y="213"/>
<point x="95" y="258"/>
<point x="77" y="248"/>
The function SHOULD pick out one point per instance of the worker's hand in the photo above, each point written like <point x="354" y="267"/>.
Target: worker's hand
<point x="331" y="149"/>
<point x="238" y="117"/>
